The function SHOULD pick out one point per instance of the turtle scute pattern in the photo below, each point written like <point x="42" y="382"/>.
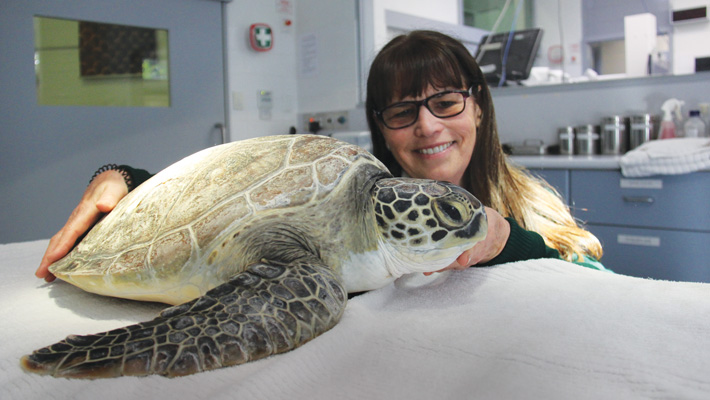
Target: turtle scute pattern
<point x="185" y="213"/>
<point x="268" y="309"/>
<point x="404" y="209"/>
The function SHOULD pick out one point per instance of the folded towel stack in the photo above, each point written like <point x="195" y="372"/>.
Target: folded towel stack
<point x="667" y="157"/>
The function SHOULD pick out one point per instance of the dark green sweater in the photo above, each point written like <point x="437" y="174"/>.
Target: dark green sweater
<point x="523" y="245"/>
<point x="529" y="245"/>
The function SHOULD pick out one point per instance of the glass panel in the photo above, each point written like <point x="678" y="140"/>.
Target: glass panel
<point x="484" y="13"/>
<point x="81" y="63"/>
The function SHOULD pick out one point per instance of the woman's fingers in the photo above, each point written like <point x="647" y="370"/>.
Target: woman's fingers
<point x="488" y="248"/>
<point x="102" y="195"/>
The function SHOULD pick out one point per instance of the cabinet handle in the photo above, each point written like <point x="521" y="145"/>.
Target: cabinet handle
<point x="639" y="199"/>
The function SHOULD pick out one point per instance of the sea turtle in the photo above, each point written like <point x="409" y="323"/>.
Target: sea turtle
<point x="258" y="243"/>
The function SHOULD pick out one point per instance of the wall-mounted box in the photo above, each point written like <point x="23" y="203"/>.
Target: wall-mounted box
<point x="696" y="14"/>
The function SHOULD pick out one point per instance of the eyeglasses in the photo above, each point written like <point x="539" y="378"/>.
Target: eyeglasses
<point x="445" y="104"/>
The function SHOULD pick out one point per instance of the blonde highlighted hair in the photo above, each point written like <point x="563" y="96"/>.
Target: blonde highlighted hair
<point x="409" y="64"/>
<point x="538" y="207"/>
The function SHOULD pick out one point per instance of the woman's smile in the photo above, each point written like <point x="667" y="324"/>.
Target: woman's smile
<point x="436" y="149"/>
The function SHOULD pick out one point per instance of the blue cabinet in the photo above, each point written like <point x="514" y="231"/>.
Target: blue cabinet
<point x="657" y="227"/>
<point x="557" y="178"/>
<point x="655" y="253"/>
<point x="679" y="202"/>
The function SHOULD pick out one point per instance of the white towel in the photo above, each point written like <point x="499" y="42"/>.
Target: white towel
<point x="538" y="329"/>
<point x="667" y="157"/>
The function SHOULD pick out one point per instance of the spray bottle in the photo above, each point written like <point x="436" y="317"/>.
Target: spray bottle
<point x="667" y="125"/>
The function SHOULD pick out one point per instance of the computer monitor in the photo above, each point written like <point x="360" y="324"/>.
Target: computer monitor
<point x="521" y="50"/>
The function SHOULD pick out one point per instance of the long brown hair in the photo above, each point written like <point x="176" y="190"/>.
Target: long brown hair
<point x="409" y="64"/>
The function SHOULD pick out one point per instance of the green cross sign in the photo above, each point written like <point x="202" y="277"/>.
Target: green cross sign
<point x="263" y="37"/>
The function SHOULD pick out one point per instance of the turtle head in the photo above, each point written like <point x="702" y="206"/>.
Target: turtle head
<point x="426" y="224"/>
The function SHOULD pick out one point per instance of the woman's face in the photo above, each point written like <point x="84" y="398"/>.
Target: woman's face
<point x="435" y="148"/>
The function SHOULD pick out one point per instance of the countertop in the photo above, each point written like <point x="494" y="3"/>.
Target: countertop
<point x="605" y="162"/>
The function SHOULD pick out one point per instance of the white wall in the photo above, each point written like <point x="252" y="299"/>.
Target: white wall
<point x="327" y="55"/>
<point x="690" y="40"/>
<point x="328" y="48"/>
<point x="440" y="10"/>
<point x="250" y="71"/>
<point x="550" y="14"/>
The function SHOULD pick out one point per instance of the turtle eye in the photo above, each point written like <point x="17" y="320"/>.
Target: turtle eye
<point x="451" y="213"/>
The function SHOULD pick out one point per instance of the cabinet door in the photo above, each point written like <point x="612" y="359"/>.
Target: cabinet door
<point x="48" y="152"/>
<point x="557" y="178"/>
<point x="672" y="201"/>
<point x="654" y="253"/>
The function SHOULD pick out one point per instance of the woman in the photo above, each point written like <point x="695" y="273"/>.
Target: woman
<point x="433" y="73"/>
<point x="431" y="115"/>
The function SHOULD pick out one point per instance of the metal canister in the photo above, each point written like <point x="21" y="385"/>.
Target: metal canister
<point x="615" y="136"/>
<point x="644" y="128"/>
<point x="566" y="138"/>
<point x="586" y="140"/>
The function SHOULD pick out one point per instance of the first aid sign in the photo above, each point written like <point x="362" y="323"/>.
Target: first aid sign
<point x="261" y="37"/>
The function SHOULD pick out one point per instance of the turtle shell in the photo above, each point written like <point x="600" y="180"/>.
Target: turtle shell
<point x="208" y="216"/>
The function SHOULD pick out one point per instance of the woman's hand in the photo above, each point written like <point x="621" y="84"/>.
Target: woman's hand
<point x="488" y="248"/>
<point x="100" y="197"/>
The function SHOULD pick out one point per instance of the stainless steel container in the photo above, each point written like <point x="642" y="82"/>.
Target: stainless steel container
<point x="586" y="140"/>
<point x="644" y="128"/>
<point x="529" y="147"/>
<point x="615" y="136"/>
<point x="566" y="138"/>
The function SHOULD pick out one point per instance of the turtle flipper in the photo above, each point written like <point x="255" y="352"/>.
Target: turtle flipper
<point x="268" y="309"/>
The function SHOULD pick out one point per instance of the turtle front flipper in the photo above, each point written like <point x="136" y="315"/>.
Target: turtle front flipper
<point x="268" y="309"/>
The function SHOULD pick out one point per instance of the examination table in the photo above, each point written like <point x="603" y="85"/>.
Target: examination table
<point x="541" y="329"/>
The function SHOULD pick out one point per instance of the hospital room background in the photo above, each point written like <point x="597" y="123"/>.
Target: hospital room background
<point x="213" y="78"/>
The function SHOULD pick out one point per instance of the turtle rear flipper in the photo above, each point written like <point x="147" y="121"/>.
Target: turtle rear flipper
<point x="268" y="309"/>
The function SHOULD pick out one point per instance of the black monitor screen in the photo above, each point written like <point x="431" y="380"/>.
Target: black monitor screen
<point x="521" y="51"/>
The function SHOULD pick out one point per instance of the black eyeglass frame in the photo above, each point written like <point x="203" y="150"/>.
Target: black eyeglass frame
<point x="425" y="102"/>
